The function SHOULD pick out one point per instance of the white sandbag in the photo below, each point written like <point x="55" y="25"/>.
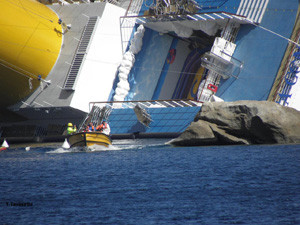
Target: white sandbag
<point x="129" y="56"/>
<point x="123" y="69"/>
<point x="123" y="84"/>
<point x="118" y="98"/>
<point x="141" y="28"/>
<point x="138" y="35"/>
<point x="136" y="46"/>
<point x="121" y="92"/>
<point x="123" y="76"/>
<point x="126" y="63"/>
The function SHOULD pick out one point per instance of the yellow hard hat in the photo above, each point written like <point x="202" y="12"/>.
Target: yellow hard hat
<point x="70" y="124"/>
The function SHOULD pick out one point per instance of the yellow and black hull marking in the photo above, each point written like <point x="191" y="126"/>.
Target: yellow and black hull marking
<point x="86" y="139"/>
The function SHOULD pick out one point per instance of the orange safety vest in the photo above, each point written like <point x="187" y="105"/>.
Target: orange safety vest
<point x="101" y="127"/>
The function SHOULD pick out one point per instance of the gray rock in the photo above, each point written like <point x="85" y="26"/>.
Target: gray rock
<point x="242" y="122"/>
<point x="198" y="133"/>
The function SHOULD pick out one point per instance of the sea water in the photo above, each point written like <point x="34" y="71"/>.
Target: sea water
<point x="150" y="182"/>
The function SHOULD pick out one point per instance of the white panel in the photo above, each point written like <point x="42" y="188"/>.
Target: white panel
<point x="220" y="46"/>
<point x="102" y="60"/>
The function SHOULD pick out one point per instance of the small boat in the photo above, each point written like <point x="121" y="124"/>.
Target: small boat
<point x="86" y="139"/>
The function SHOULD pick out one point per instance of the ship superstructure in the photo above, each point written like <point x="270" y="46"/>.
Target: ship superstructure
<point x="88" y="42"/>
<point x="229" y="43"/>
<point x="130" y="53"/>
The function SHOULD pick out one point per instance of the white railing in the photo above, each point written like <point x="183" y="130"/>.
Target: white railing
<point x="148" y="103"/>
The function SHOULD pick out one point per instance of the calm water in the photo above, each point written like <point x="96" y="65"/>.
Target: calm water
<point x="147" y="182"/>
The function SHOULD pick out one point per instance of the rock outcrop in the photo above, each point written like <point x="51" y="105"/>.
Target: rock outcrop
<point x="242" y="122"/>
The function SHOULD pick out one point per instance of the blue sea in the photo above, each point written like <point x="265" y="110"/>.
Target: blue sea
<point x="150" y="182"/>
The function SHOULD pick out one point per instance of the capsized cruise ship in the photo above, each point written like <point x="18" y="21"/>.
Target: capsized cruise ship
<point x="159" y="58"/>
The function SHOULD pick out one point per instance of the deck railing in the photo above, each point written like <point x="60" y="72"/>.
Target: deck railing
<point x="148" y="103"/>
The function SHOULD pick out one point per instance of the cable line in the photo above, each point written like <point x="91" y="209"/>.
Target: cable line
<point x="32" y="11"/>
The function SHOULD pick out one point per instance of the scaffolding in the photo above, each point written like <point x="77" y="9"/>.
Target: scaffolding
<point x="127" y="22"/>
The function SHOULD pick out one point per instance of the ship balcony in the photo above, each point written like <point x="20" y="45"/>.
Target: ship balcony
<point x="221" y="66"/>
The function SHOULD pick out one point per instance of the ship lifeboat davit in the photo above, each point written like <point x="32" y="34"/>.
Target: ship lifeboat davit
<point x="30" y="43"/>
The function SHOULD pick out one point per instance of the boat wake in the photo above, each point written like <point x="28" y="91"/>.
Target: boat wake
<point x="125" y="144"/>
<point x="139" y="143"/>
<point x="60" y="150"/>
<point x="94" y="148"/>
<point x="98" y="148"/>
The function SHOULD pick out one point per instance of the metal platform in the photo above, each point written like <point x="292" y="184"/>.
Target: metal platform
<point x="168" y="117"/>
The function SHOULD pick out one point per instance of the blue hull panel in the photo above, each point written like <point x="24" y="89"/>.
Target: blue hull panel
<point x="164" y="120"/>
